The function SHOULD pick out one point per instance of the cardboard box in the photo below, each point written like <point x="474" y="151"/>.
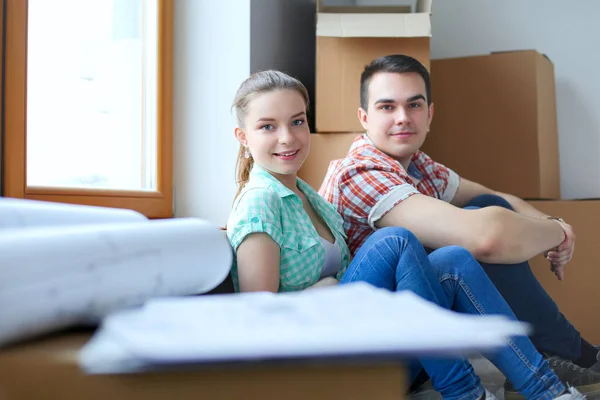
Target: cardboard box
<point x="578" y="295"/>
<point x="349" y="38"/>
<point x="47" y="369"/>
<point x="324" y="149"/>
<point x="495" y="122"/>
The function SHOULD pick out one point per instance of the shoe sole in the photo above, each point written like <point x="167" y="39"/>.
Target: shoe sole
<point x="587" y="390"/>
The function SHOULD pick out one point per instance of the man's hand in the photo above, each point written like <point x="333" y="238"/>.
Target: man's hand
<point x="560" y="256"/>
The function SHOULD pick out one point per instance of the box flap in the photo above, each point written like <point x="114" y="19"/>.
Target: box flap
<point x="499" y="52"/>
<point x="374" y="25"/>
<point x="522" y="51"/>
<point x="512" y="51"/>
<point x="421" y="6"/>
<point x="366" y="9"/>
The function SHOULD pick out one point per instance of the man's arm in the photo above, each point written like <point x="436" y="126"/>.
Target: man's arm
<point x="557" y="257"/>
<point x="491" y="234"/>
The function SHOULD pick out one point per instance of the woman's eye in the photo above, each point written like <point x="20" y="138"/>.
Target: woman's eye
<point x="267" y="127"/>
<point x="298" y="122"/>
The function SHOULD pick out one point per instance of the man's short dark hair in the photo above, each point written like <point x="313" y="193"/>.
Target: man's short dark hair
<point x="398" y="63"/>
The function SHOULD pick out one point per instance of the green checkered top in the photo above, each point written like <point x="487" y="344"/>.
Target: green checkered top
<point x="266" y="205"/>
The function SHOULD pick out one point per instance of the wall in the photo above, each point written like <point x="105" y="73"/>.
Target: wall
<point x="275" y="43"/>
<point x="217" y="45"/>
<point x="212" y="56"/>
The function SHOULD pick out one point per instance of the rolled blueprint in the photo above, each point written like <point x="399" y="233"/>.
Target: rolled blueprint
<point x="52" y="277"/>
<point x="21" y="213"/>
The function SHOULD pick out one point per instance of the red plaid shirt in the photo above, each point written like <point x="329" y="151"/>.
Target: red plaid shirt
<point x="367" y="184"/>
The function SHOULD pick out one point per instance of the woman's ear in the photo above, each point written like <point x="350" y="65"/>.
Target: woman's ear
<point x="240" y="135"/>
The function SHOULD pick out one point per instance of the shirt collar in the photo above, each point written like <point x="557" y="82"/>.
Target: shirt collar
<point x="332" y="218"/>
<point x="263" y="176"/>
<point x="413" y="171"/>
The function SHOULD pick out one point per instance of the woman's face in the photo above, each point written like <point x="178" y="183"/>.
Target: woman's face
<point x="276" y="132"/>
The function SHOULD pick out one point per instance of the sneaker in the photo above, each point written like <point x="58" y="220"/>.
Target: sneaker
<point x="573" y="376"/>
<point x="596" y="367"/>
<point x="571" y="394"/>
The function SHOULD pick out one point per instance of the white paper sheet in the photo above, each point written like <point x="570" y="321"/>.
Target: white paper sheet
<point x="355" y="319"/>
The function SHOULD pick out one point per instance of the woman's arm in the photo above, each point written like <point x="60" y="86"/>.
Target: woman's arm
<point x="258" y="258"/>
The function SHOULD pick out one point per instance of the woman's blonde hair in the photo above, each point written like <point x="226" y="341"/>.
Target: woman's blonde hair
<point x="260" y="82"/>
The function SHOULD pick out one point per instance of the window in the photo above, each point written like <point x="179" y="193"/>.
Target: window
<point x="88" y="103"/>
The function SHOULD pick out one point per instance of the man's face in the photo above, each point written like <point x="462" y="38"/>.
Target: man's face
<point x="397" y="119"/>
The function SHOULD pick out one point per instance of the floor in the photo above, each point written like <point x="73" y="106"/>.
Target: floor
<point x="490" y="376"/>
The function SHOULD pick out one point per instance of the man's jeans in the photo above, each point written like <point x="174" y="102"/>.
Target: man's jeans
<point x="394" y="259"/>
<point x="552" y="332"/>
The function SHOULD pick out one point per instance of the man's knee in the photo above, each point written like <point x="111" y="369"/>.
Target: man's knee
<point x="487" y="200"/>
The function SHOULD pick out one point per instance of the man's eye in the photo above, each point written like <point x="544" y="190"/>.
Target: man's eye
<point x="387" y="107"/>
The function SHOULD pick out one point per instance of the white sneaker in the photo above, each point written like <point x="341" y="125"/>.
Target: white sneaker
<point x="571" y="394"/>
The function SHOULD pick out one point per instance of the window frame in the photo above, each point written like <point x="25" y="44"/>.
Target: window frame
<point x="153" y="204"/>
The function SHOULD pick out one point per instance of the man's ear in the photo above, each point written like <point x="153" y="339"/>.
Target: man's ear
<point x="240" y="135"/>
<point x="363" y="118"/>
<point x="430" y="116"/>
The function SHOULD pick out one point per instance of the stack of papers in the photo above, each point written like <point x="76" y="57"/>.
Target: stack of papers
<point x="348" y="320"/>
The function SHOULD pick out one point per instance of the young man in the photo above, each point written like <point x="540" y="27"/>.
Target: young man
<point x="385" y="180"/>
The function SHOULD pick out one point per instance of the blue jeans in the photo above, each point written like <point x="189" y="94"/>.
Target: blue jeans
<point x="552" y="332"/>
<point x="394" y="259"/>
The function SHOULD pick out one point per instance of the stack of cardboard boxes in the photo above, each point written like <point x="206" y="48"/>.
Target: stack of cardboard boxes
<point x="494" y="123"/>
<point x="347" y="39"/>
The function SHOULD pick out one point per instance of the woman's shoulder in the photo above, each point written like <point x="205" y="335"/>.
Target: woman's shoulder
<point x="256" y="210"/>
<point x="257" y="195"/>
<point x="257" y="202"/>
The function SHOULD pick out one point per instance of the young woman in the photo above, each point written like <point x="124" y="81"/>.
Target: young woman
<point x="287" y="238"/>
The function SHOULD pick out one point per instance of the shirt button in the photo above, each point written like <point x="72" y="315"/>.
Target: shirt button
<point x="254" y="219"/>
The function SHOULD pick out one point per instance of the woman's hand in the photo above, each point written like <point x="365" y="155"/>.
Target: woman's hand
<point x="328" y="281"/>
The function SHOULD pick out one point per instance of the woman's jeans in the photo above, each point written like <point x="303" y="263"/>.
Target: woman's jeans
<point x="552" y="332"/>
<point x="394" y="259"/>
